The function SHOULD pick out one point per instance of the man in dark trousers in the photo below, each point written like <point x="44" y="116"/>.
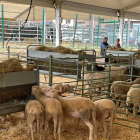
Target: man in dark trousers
<point x="104" y="46"/>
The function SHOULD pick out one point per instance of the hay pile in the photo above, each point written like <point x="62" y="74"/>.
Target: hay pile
<point x="58" y="49"/>
<point x="16" y="128"/>
<point x="61" y="69"/>
<point x="137" y="55"/>
<point x="61" y="50"/>
<point x="116" y="49"/>
<point x="13" y="65"/>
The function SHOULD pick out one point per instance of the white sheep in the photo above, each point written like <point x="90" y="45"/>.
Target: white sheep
<point x="133" y="97"/>
<point x="104" y="109"/>
<point x="53" y="110"/>
<point x="103" y="77"/>
<point x="118" y="88"/>
<point x="77" y="108"/>
<point x="34" y="112"/>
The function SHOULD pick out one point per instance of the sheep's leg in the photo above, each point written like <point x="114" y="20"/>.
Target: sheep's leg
<point x="59" y="128"/>
<point x="90" y="130"/>
<point x="55" y="120"/>
<point x="38" y="126"/>
<point x="100" y="127"/>
<point x="104" y="127"/>
<point x="31" y="128"/>
<point x="117" y="102"/>
<point x="63" y="126"/>
<point x="42" y="136"/>
<point x="128" y="105"/>
<point x="112" y="119"/>
<point x="46" y="127"/>
<point x="28" y="130"/>
<point x="99" y="91"/>
<point x="93" y="121"/>
<point x="135" y="112"/>
<point x="35" y="126"/>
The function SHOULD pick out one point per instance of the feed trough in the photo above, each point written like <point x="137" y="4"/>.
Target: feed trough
<point x="15" y="90"/>
<point x="122" y="55"/>
<point x="61" y="59"/>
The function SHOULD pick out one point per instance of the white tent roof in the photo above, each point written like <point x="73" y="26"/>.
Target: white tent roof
<point x="100" y="7"/>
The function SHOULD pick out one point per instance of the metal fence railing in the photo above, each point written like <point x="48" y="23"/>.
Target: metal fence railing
<point x="32" y="34"/>
<point x="97" y="86"/>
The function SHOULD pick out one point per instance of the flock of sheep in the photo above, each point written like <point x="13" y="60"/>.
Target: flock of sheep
<point x="49" y="110"/>
<point x="123" y="92"/>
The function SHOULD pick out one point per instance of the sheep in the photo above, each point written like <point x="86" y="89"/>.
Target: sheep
<point x="62" y="88"/>
<point x="120" y="89"/>
<point x="103" y="77"/>
<point x="53" y="110"/>
<point x="34" y="111"/>
<point x="104" y="109"/>
<point x="133" y="97"/>
<point x="77" y="108"/>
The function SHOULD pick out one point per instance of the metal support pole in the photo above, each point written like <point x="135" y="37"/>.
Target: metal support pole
<point x="92" y="30"/>
<point x="19" y="32"/>
<point x="43" y="26"/>
<point x="2" y="21"/>
<point x="98" y="31"/>
<point x="127" y="35"/>
<point x="50" y="70"/>
<point x="121" y="30"/>
<point x="75" y="29"/>
<point x="109" y="75"/>
<point x="58" y="24"/>
<point x="8" y="52"/>
<point x="128" y="32"/>
<point x="37" y="32"/>
<point x="114" y="33"/>
<point x="138" y="36"/>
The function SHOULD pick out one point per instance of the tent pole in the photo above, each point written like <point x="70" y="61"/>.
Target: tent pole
<point x="75" y="29"/>
<point x="2" y="20"/>
<point x="58" y="24"/>
<point x="98" y="30"/>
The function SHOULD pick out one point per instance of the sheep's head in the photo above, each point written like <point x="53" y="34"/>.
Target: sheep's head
<point x="36" y="89"/>
<point x="50" y="92"/>
<point x="67" y="87"/>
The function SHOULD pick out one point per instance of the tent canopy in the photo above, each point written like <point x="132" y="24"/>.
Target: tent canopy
<point x="100" y="7"/>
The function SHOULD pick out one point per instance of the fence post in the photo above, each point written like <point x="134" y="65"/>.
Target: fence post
<point x="82" y="35"/>
<point x="75" y="29"/>
<point x="50" y="70"/>
<point x="137" y="36"/>
<point x="127" y="35"/>
<point x="114" y="34"/>
<point x="43" y="26"/>
<point x="2" y="20"/>
<point x="37" y="32"/>
<point x="8" y="52"/>
<point x="19" y="32"/>
<point x="109" y="76"/>
<point x="98" y="30"/>
<point x="83" y="79"/>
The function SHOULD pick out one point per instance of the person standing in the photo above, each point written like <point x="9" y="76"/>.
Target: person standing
<point x="117" y="44"/>
<point x="104" y="46"/>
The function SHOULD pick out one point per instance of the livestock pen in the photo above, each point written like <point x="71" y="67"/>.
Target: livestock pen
<point x="80" y="132"/>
